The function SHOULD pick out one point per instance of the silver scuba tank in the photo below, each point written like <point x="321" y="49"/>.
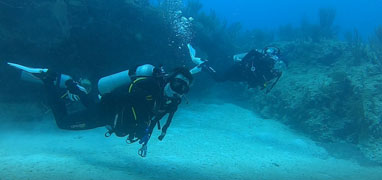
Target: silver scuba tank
<point x="109" y="83"/>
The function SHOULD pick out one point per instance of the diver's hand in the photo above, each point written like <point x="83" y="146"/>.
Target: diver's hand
<point x="73" y="97"/>
<point x="162" y="136"/>
<point x="74" y="90"/>
<point x="143" y="151"/>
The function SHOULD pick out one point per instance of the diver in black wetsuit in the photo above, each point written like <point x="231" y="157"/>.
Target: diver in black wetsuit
<point x="169" y="105"/>
<point x="258" y="68"/>
<point x="126" y="109"/>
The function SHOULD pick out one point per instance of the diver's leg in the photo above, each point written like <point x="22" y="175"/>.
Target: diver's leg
<point x="132" y="121"/>
<point x="143" y="121"/>
<point x="63" y="81"/>
<point x="54" y="101"/>
<point x="91" y="117"/>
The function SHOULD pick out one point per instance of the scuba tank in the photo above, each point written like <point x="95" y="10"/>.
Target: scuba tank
<point x="109" y="83"/>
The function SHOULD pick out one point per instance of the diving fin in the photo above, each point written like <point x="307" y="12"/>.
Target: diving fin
<point x="29" y="74"/>
<point x="28" y="69"/>
<point x="34" y="75"/>
<point x="196" y="70"/>
<point x="194" y="59"/>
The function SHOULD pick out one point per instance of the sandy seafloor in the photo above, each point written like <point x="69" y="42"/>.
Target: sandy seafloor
<point x="206" y="141"/>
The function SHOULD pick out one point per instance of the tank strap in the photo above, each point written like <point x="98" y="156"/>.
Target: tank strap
<point x="134" y="113"/>
<point x="131" y="138"/>
<point x="135" y="81"/>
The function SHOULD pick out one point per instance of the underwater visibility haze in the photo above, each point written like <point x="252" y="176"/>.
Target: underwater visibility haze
<point x="190" y="89"/>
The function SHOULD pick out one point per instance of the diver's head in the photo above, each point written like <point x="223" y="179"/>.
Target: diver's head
<point x="271" y="51"/>
<point x="86" y="84"/>
<point x="178" y="82"/>
<point x="274" y="54"/>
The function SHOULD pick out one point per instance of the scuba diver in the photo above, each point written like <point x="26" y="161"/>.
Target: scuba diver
<point x="169" y="105"/>
<point x="129" y="104"/>
<point x="258" y="68"/>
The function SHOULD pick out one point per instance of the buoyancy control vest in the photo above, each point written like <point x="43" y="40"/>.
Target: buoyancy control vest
<point x="258" y="69"/>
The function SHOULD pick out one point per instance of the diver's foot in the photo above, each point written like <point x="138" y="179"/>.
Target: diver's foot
<point x="163" y="134"/>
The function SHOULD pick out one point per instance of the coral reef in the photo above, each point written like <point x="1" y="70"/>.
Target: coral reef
<point x="326" y="96"/>
<point x="376" y="45"/>
<point x="356" y="46"/>
<point x="327" y="17"/>
<point x="86" y="39"/>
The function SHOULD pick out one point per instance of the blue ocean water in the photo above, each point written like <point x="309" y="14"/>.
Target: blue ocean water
<point x="363" y="15"/>
<point x="320" y="118"/>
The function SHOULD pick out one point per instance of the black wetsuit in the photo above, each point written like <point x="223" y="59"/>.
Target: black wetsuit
<point x="168" y="106"/>
<point x="127" y="110"/>
<point x="255" y="69"/>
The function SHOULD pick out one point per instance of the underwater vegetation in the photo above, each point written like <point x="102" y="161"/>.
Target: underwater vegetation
<point x="376" y="45"/>
<point x="87" y="34"/>
<point x="308" y="31"/>
<point x="331" y="90"/>
<point x="356" y="46"/>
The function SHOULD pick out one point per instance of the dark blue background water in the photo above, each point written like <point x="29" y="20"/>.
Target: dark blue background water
<point x="365" y="15"/>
